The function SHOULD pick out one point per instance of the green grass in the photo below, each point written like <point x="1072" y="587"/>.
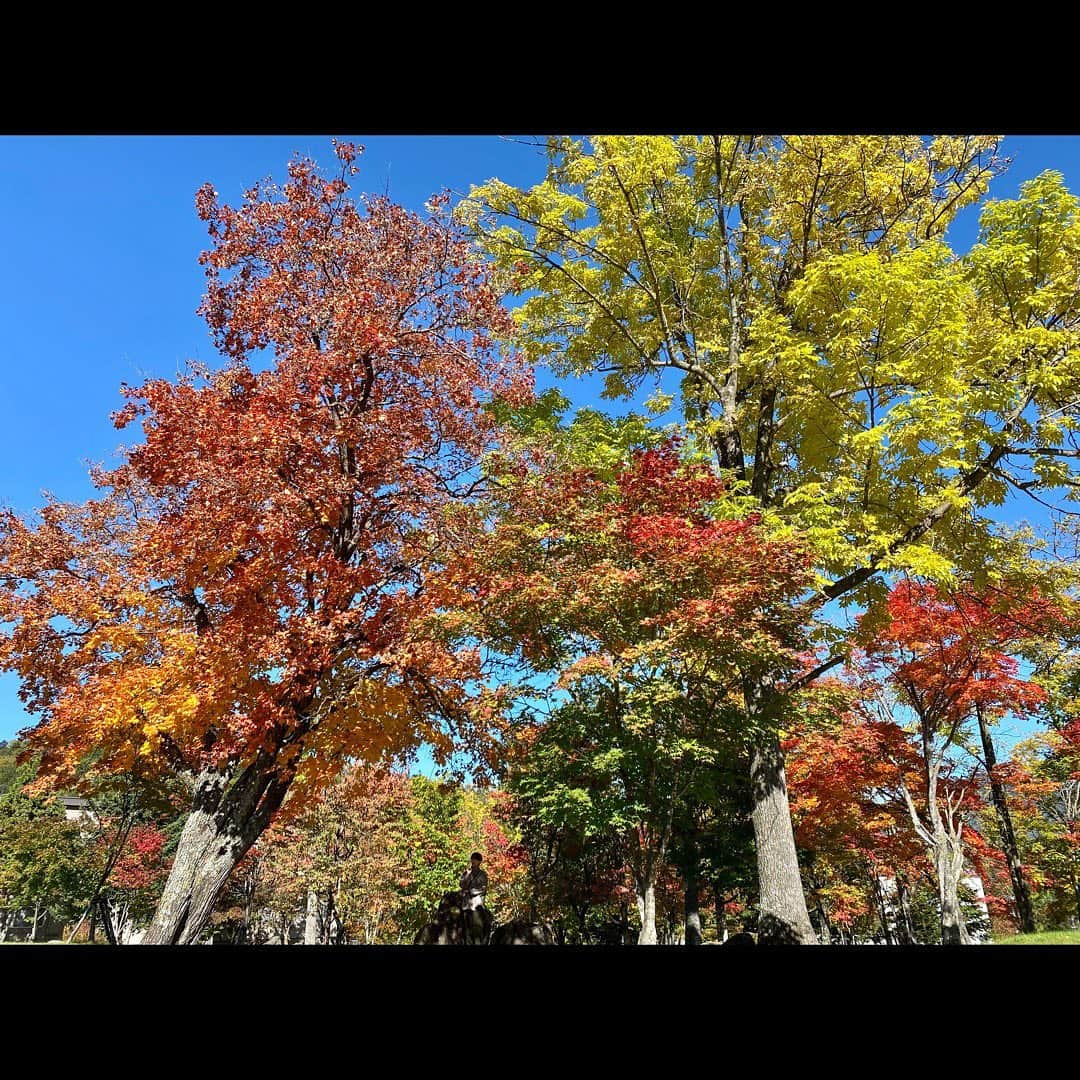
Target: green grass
<point x="1051" y="937"/>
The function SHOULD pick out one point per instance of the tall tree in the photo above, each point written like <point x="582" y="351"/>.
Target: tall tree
<point x="1028" y="622"/>
<point x="652" y="608"/>
<point x="244" y="602"/>
<point x="847" y="369"/>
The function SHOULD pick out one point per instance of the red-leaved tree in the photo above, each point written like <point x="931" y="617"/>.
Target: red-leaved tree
<point x="944" y="660"/>
<point x="244" y="602"/>
<point x="845" y="768"/>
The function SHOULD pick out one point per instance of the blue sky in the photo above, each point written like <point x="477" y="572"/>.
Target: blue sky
<point x="99" y="278"/>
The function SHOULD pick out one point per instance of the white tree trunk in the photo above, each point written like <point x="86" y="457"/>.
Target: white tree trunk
<point x="949" y="867"/>
<point x="943" y="838"/>
<point x="311" y="922"/>
<point x="646" y="904"/>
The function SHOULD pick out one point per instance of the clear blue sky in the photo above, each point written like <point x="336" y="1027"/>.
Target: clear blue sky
<point x="99" y="279"/>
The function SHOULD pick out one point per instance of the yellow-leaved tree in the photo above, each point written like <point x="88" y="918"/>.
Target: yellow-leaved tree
<point x="854" y="377"/>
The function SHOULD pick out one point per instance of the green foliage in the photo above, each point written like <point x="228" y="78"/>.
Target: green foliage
<point x="712" y="837"/>
<point x="8" y="766"/>
<point x="439" y="854"/>
<point x="45" y="860"/>
<point x="591" y="438"/>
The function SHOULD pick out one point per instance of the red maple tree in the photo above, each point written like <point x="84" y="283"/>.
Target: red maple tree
<point x="946" y="660"/>
<point x="245" y="602"/>
<point x="844" y="770"/>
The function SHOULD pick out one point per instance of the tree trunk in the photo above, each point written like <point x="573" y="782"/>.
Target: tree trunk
<point x="327" y="927"/>
<point x="943" y="837"/>
<point x="823" y="918"/>
<point x="33" y="930"/>
<point x="122" y="923"/>
<point x="224" y="822"/>
<point x="646" y="903"/>
<point x="949" y="865"/>
<point x="693" y="915"/>
<point x="332" y="927"/>
<point x="107" y="922"/>
<point x="311" y="922"/>
<point x="883" y="914"/>
<point x="204" y="860"/>
<point x="905" y="931"/>
<point x="247" y="934"/>
<point x="826" y="930"/>
<point x="783" y="918"/>
<point x="824" y="927"/>
<point x="1021" y="893"/>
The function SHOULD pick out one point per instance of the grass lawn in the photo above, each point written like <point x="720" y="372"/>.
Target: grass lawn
<point x="1052" y="937"/>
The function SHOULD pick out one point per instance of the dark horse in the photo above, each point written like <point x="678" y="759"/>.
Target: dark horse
<point x="456" y="925"/>
<point x="519" y="932"/>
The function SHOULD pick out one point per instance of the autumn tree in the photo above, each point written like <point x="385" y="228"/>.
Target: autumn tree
<point x="342" y="858"/>
<point x="845" y="771"/>
<point x="134" y="819"/>
<point x="937" y="658"/>
<point x="846" y="368"/>
<point x="136" y="877"/>
<point x="438" y="850"/>
<point x="242" y="603"/>
<point x="486" y="824"/>
<point x="264" y="896"/>
<point x="999" y="620"/>
<point x="650" y="604"/>
<point x="1042" y="778"/>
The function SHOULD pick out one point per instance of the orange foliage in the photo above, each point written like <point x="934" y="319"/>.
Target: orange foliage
<point x="249" y="586"/>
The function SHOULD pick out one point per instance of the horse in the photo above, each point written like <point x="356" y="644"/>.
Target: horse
<point x="519" y="932"/>
<point x="457" y="925"/>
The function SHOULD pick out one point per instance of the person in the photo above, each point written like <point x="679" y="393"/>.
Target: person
<point x="474" y="883"/>
<point x="477" y="918"/>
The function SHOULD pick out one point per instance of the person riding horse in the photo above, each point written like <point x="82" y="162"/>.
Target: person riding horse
<point x="474" y="883"/>
<point x="462" y="918"/>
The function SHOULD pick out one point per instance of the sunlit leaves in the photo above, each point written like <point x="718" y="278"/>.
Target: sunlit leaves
<point x="831" y="346"/>
<point x="249" y="584"/>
